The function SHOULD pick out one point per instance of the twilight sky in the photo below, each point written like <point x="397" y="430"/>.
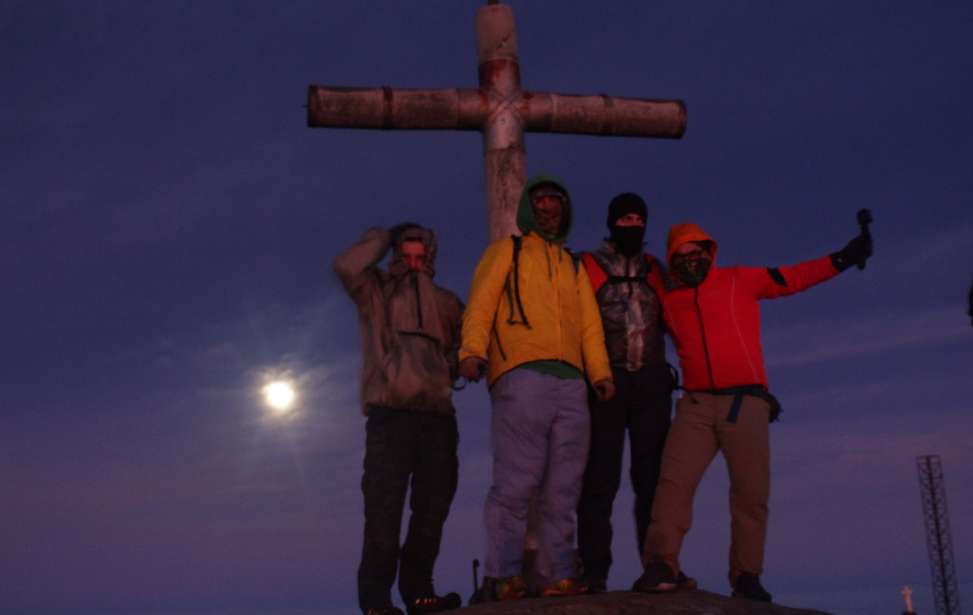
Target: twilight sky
<point x="167" y="223"/>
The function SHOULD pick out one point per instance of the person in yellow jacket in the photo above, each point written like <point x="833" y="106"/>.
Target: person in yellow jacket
<point x="533" y="324"/>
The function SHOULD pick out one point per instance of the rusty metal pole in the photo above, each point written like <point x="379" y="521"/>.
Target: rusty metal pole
<point x="503" y="131"/>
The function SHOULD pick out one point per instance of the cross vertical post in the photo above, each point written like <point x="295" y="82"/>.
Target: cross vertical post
<point x="505" y="158"/>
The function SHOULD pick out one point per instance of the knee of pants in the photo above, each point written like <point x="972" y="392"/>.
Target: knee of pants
<point x="645" y="475"/>
<point x="600" y="488"/>
<point x="755" y="490"/>
<point x="382" y="543"/>
<point x="434" y="510"/>
<point x="596" y="503"/>
<point x="672" y="513"/>
<point x="514" y="500"/>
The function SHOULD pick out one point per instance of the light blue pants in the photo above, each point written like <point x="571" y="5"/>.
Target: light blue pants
<point x="541" y="433"/>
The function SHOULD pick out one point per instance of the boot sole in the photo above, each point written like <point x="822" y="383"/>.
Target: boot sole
<point x="559" y="594"/>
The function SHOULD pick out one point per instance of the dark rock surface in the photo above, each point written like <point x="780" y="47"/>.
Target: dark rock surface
<point x="628" y="603"/>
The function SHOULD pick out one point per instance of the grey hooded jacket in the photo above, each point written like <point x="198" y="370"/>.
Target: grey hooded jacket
<point x="410" y="328"/>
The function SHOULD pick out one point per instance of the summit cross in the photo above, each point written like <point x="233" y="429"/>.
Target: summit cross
<point x="500" y="109"/>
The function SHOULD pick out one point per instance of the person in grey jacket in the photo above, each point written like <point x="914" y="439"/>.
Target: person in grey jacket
<point x="410" y="331"/>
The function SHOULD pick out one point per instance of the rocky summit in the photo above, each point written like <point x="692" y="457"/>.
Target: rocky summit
<point x="629" y="603"/>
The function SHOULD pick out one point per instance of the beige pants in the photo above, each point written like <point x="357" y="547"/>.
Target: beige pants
<point x="699" y="430"/>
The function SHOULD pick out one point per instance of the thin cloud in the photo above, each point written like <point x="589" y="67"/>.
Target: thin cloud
<point x="821" y="340"/>
<point x="934" y="247"/>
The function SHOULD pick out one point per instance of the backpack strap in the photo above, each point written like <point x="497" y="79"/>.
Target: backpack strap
<point x="596" y="274"/>
<point x="654" y="276"/>
<point x="518" y="244"/>
<point x="599" y="277"/>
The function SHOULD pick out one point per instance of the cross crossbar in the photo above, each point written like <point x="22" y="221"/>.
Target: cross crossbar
<point x="469" y="109"/>
<point x="500" y="109"/>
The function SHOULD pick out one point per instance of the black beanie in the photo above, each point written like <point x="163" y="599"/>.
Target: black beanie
<point x="626" y="203"/>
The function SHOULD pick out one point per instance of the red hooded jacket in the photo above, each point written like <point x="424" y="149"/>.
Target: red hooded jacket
<point x="716" y="326"/>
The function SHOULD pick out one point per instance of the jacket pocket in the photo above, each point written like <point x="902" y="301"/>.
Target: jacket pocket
<point x="417" y="373"/>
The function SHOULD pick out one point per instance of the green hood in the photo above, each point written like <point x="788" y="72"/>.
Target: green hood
<point x="525" y="213"/>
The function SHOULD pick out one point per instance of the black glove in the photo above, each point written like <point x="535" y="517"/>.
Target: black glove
<point x="856" y="252"/>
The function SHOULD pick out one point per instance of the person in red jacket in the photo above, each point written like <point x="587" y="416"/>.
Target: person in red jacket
<point x="714" y="319"/>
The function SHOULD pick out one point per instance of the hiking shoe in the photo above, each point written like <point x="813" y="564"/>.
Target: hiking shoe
<point x="431" y="603"/>
<point x="511" y="588"/>
<point x="565" y="587"/>
<point x="658" y="577"/>
<point x="684" y="583"/>
<point x="385" y="610"/>
<point x="748" y="586"/>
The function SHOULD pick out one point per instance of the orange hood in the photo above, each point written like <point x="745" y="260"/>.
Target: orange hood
<point x="685" y="232"/>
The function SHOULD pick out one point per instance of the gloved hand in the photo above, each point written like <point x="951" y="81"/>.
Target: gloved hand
<point x="856" y="252"/>
<point x="604" y="389"/>
<point x="472" y="368"/>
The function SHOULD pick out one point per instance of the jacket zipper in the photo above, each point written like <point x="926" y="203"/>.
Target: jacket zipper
<point x="628" y="274"/>
<point x="415" y="285"/>
<point x="702" y="330"/>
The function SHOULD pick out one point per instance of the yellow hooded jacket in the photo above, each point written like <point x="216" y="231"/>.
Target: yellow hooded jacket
<point x="563" y="320"/>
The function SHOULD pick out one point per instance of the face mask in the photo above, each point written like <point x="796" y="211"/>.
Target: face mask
<point x="691" y="270"/>
<point x="628" y="239"/>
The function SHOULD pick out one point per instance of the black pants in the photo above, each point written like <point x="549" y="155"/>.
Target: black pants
<point x="642" y="404"/>
<point x="400" y="445"/>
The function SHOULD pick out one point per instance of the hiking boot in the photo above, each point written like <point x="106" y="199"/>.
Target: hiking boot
<point x="431" y="603"/>
<point x="565" y="587"/>
<point x="385" y="610"/>
<point x="658" y="577"/>
<point x="684" y="583"/>
<point x="511" y="588"/>
<point x="494" y="590"/>
<point x="748" y="586"/>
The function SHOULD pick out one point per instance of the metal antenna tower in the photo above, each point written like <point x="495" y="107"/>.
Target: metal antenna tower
<point x="938" y="537"/>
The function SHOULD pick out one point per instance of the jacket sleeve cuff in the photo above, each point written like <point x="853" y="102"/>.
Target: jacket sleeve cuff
<point x="597" y="374"/>
<point x="466" y="353"/>
<point x="840" y="261"/>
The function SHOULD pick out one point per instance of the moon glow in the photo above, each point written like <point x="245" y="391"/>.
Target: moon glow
<point x="279" y="395"/>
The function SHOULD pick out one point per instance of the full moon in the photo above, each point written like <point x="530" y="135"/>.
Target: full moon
<point x="279" y="395"/>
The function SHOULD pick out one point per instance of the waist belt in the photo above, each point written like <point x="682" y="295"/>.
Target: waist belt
<point x="738" y="393"/>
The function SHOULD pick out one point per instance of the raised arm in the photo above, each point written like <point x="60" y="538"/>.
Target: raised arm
<point x="773" y="282"/>
<point x="356" y="266"/>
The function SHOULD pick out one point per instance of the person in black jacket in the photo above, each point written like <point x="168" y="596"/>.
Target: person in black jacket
<point x="628" y="285"/>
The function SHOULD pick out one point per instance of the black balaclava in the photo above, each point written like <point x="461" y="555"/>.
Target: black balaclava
<point x="692" y="270"/>
<point x="627" y="239"/>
